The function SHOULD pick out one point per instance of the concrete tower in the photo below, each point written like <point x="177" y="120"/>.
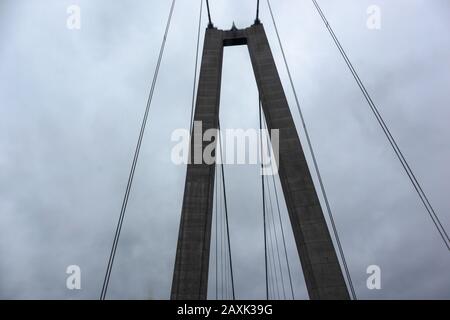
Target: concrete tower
<point x="322" y="272"/>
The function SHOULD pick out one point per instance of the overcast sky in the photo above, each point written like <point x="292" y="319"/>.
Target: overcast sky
<point x="71" y="103"/>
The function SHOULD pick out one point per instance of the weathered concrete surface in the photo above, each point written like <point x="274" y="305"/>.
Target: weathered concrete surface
<point x="190" y="278"/>
<point x="320" y="265"/>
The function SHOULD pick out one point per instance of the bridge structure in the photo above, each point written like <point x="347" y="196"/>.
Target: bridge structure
<point x="324" y="266"/>
<point x="320" y="264"/>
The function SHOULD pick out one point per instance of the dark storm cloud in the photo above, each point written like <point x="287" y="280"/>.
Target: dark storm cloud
<point x="71" y="103"/>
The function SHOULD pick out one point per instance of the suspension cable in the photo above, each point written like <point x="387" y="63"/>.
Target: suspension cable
<point x="272" y="246"/>
<point x="417" y="186"/>
<point x="257" y="21"/>
<point x="196" y="66"/>
<point x="316" y="166"/>
<point x="210" y="24"/>
<point x="226" y="215"/>
<point x="281" y="225"/>
<point x="264" y="204"/>
<point x="276" y="237"/>
<point x="283" y="237"/>
<point x="220" y="235"/>
<point x="225" y="262"/>
<point x="273" y="229"/>
<point x="274" y="284"/>
<point x="134" y="163"/>
<point x="222" y="265"/>
<point x="271" y="267"/>
<point x="274" y="226"/>
<point x="216" y="216"/>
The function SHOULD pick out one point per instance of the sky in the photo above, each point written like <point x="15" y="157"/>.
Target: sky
<point x="71" y="103"/>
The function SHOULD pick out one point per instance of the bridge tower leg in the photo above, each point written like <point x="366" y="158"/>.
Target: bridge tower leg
<point x="321" y="268"/>
<point x="190" y="278"/>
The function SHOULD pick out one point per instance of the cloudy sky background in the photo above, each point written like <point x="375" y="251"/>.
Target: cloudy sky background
<point x="71" y="102"/>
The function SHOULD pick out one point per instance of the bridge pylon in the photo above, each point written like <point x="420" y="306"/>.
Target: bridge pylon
<point x="321" y="268"/>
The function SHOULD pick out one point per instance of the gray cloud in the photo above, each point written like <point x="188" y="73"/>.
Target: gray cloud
<point x="71" y="103"/>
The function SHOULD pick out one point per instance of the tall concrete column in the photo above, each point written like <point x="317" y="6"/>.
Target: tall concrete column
<point x="190" y="278"/>
<point x="323" y="275"/>
<point x="322" y="272"/>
